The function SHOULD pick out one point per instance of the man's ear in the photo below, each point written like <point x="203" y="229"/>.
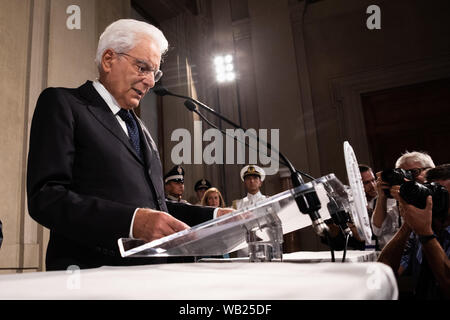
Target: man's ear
<point x="107" y="60"/>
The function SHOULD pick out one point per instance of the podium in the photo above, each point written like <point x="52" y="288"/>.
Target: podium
<point x="259" y="227"/>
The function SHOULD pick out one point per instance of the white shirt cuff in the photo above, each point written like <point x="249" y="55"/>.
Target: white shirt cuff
<point x="132" y="222"/>
<point x="216" y="210"/>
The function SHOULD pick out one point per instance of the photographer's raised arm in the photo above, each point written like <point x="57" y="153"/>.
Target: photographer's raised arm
<point x="439" y="264"/>
<point x="379" y="214"/>
<point x="393" y="251"/>
<point x="420" y="222"/>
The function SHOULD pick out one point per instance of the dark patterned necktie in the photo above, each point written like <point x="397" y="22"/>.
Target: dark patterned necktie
<point x="133" y="132"/>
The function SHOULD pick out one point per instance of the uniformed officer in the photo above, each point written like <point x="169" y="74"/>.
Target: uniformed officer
<point x="253" y="177"/>
<point x="200" y="187"/>
<point x="174" y="184"/>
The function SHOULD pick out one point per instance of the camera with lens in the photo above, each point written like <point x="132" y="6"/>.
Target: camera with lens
<point x="416" y="194"/>
<point x="395" y="177"/>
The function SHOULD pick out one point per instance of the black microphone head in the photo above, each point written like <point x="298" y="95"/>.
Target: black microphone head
<point x="190" y="105"/>
<point x="161" y="91"/>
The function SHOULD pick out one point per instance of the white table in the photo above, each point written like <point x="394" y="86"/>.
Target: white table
<point x="209" y="281"/>
<point x="325" y="256"/>
<point x="313" y="257"/>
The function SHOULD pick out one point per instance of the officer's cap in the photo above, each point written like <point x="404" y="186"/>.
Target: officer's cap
<point x="252" y="170"/>
<point x="175" y="174"/>
<point x="202" y="184"/>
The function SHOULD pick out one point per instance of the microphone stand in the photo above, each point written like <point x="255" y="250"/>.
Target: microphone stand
<point x="308" y="202"/>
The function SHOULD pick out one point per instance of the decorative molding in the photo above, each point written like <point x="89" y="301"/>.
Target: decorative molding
<point x="312" y="145"/>
<point x="241" y="29"/>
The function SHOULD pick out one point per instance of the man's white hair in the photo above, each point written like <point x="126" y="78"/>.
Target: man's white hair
<point x="123" y="35"/>
<point x="415" y="156"/>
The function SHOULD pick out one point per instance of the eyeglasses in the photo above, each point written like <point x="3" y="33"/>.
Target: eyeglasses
<point x="366" y="182"/>
<point x="143" y="68"/>
<point x="417" y="171"/>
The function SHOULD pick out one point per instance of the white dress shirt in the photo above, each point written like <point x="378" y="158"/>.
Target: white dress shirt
<point x="390" y="224"/>
<point x="115" y="108"/>
<point x="249" y="200"/>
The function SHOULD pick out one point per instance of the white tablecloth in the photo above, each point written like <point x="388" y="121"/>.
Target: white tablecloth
<point x="325" y="256"/>
<point x="209" y="281"/>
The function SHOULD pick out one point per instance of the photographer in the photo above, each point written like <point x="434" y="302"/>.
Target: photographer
<point x="386" y="220"/>
<point x="336" y="236"/>
<point x="421" y="247"/>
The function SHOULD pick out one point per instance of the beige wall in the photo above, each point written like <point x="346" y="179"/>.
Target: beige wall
<point x="14" y="41"/>
<point x="38" y="51"/>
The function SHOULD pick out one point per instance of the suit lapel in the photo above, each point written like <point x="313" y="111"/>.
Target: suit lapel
<point x="100" y="110"/>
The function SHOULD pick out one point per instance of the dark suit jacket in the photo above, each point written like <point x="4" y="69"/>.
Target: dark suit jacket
<point x="84" y="179"/>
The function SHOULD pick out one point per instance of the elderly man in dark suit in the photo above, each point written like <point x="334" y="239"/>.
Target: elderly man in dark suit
<point x="94" y="172"/>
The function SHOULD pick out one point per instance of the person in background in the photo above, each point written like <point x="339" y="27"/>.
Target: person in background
<point x="421" y="247"/>
<point x="252" y="176"/>
<point x="213" y="198"/>
<point x="440" y="174"/>
<point x="370" y="189"/>
<point x="200" y="187"/>
<point x="337" y="238"/>
<point x="174" y="185"/>
<point x="370" y="184"/>
<point x="386" y="219"/>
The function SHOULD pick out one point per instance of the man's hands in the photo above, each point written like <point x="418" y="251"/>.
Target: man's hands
<point x="381" y="186"/>
<point x="223" y="211"/>
<point x="151" y="224"/>
<point x="419" y="220"/>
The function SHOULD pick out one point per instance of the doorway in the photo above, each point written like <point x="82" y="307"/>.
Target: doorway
<point x="409" y="118"/>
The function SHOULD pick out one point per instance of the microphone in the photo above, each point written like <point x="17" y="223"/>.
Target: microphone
<point x="339" y="216"/>
<point x="190" y="105"/>
<point x="160" y="91"/>
<point x="308" y="202"/>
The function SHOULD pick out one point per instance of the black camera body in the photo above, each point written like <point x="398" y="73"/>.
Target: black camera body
<point x="395" y="177"/>
<point x="416" y="194"/>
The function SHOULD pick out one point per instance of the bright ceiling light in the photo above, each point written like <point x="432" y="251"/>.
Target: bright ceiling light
<point x="224" y="68"/>
<point x="231" y="76"/>
<point x="221" y="77"/>
<point x="219" y="61"/>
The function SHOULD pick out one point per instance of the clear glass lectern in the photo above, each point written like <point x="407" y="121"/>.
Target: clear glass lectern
<point x="259" y="227"/>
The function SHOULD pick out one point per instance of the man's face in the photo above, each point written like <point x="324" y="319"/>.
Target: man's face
<point x="444" y="183"/>
<point x="416" y="166"/>
<point x="370" y="184"/>
<point x="122" y="77"/>
<point x="175" y="188"/>
<point x="252" y="184"/>
<point x="200" y="193"/>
